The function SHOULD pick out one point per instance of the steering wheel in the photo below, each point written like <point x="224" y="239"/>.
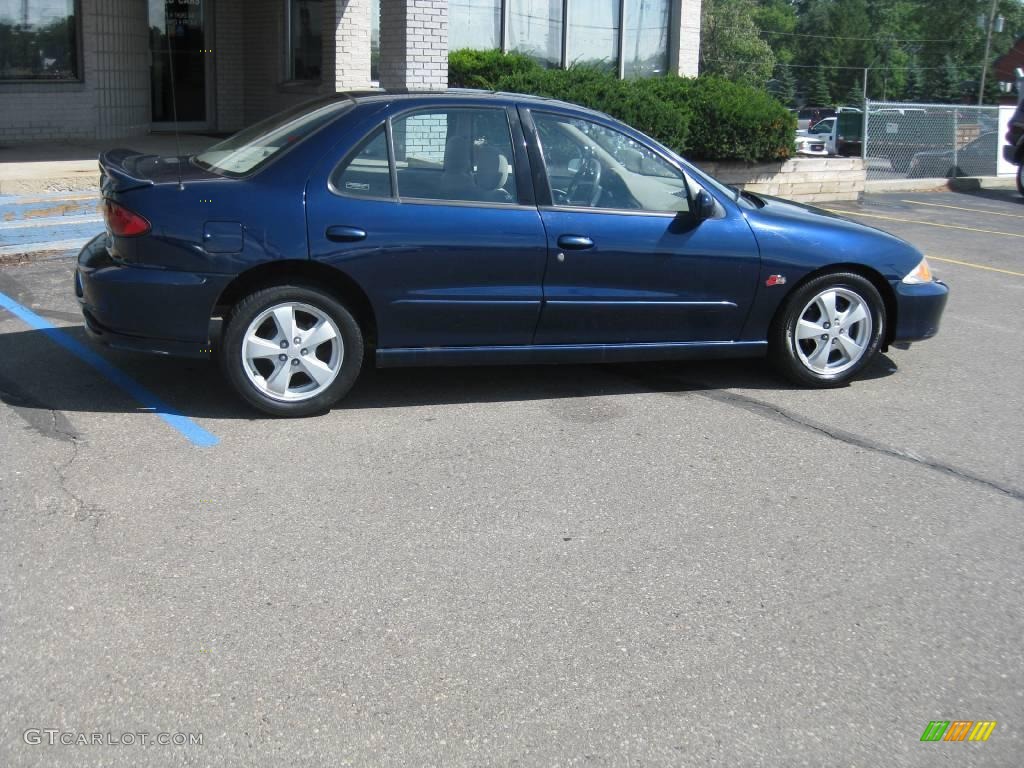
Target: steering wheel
<point x="588" y="177"/>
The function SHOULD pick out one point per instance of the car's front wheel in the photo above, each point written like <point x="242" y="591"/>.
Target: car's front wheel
<point x="291" y="350"/>
<point x="828" y="330"/>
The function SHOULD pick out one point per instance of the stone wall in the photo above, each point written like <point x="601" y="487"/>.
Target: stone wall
<point x="804" y="179"/>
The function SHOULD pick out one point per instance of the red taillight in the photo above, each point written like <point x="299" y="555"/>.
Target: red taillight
<point x="122" y="222"/>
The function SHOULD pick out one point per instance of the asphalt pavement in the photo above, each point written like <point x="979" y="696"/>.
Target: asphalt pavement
<point x="659" y="564"/>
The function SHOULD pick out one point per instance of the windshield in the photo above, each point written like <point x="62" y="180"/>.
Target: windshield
<point x="253" y="147"/>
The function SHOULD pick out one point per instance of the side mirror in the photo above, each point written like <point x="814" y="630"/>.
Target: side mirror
<point x="704" y="206"/>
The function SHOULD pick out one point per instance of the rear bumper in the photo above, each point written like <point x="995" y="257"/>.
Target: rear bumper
<point x="143" y="309"/>
<point x="919" y="310"/>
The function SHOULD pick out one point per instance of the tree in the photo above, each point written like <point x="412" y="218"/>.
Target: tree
<point x="945" y="86"/>
<point x="855" y="96"/>
<point x="777" y="21"/>
<point x="914" y="88"/>
<point x="783" y="85"/>
<point x="817" y="91"/>
<point x="731" y="46"/>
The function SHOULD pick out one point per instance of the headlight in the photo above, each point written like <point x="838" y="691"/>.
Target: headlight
<point x="922" y="273"/>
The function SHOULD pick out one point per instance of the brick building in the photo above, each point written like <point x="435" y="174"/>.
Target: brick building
<point x="104" y="68"/>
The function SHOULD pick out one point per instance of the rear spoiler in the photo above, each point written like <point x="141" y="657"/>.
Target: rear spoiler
<point x="119" y="170"/>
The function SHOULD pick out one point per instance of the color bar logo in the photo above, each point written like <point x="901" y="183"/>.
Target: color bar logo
<point x="958" y="730"/>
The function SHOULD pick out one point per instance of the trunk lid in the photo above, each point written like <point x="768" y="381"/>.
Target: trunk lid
<point x="125" y="169"/>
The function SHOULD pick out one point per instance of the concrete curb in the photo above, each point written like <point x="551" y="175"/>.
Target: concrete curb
<point x="963" y="184"/>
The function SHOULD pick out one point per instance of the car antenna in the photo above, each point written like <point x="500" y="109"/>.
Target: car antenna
<point x="174" y="105"/>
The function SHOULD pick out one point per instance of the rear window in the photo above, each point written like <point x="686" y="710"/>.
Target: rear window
<point x="254" y="147"/>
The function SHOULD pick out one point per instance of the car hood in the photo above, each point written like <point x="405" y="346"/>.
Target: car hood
<point x="817" y="237"/>
<point x="789" y="211"/>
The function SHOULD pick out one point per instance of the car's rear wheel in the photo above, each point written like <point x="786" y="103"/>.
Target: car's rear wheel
<point x="291" y="350"/>
<point x="828" y="330"/>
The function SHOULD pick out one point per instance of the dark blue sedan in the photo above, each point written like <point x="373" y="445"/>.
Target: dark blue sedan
<point x="467" y="227"/>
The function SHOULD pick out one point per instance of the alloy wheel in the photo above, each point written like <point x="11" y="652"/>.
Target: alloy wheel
<point x="833" y="331"/>
<point x="292" y="351"/>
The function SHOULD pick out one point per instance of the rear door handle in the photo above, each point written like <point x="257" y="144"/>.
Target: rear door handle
<point x="575" y="242"/>
<point x="340" y="234"/>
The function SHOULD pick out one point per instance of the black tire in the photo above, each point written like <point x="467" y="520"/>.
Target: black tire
<point x="250" y="308"/>
<point x="782" y="340"/>
<point x="1020" y="179"/>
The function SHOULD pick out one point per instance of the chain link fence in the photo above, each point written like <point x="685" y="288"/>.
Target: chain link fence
<point x="902" y="140"/>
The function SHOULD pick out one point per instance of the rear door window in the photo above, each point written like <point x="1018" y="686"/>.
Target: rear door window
<point x="458" y="155"/>
<point x="367" y="173"/>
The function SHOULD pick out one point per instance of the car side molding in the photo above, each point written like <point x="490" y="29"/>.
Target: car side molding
<point x="568" y="353"/>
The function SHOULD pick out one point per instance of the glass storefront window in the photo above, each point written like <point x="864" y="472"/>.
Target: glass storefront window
<point x="177" y="39"/>
<point x="38" y="40"/>
<point x="594" y="34"/>
<point x="645" y="39"/>
<point x="305" y="39"/>
<point x="535" y="28"/>
<point x="474" y="24"/>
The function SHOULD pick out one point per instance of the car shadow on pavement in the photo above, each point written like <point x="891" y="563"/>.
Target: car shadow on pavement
<point x="41" y="375"/>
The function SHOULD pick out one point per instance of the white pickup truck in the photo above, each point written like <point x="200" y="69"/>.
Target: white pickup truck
<point x="819" y="140"/>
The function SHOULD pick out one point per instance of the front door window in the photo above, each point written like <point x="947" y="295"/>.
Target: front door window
<point x="592" y="166"/>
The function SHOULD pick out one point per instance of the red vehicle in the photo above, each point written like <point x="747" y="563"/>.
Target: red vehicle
<point x="808" y="116"/>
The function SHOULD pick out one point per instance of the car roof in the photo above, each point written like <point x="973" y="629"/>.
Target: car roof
<point x="381" y="95"/>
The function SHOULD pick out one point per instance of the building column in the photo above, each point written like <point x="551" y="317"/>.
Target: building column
<point x="414" y="44"/>
<point x="684" y="38"/>
<point x="350" y="32"/>
<point x="117" y="59"/>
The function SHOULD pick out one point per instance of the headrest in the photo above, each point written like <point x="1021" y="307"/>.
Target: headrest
<point x="492" y="168"/>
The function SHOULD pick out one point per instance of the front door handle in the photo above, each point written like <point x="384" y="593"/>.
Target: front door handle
<point x="340" y="234"/>
<point x="575" y="242"/>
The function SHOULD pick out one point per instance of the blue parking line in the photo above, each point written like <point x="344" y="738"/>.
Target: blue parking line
<point x="196" y="434"/>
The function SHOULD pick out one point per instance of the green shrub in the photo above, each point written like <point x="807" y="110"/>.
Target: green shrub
<point x="468" y="68"/>
<point x="736" y="122"/>
<point x="704" y="118"/>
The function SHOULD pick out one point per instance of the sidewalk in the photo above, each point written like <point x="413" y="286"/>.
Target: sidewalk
<point x="49" y="191"/>
<point x="43" y="167"/>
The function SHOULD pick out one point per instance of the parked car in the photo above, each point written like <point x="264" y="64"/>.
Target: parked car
<point x="476" y="228"/>
<point x="977" y="158"/>
<point x="898" y="134"/>
<point x="819" y="140"/>
<point x="1013" y="150"/>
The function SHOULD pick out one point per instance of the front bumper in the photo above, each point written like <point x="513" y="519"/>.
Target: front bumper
<point x="144" y="309"/>
<point x="918" y="310"/>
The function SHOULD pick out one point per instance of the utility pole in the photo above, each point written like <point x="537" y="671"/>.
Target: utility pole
<point x="988" y="49"/>
<point x="865" y="99"/>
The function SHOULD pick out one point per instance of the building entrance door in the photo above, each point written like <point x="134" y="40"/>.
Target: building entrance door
<point x="179" y="42"/>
